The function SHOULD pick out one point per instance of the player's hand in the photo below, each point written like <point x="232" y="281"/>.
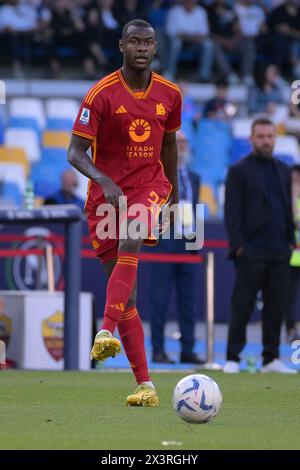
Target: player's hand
<point x="167" y="218"/>
<point x="111" y="191"/>
<point x="164" y="222"/>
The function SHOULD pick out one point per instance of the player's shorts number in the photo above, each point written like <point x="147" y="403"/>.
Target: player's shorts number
<point x="155" y="200"/>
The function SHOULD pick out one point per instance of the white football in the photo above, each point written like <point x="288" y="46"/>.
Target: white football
<point x="197" y="398"/>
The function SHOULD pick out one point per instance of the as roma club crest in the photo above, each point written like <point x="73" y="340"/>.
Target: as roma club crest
<point x="53" y="335"/>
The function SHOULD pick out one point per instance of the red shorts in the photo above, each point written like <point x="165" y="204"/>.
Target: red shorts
<point x="104" y="225"/>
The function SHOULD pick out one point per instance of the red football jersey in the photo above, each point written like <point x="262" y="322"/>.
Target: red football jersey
<point x="127" y="129"/>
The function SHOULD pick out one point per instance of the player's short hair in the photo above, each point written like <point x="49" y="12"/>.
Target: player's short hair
<point x="138" y="23"/>
<point x="261" y="121"/>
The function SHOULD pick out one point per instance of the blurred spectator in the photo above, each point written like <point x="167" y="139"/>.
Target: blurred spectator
<point x="19" y="20"/>
<point x="268" y="93"/>
<point x="269" y="5"/>
<point x="284" y="22"/>
<point x="19" y="16"/>
<point x="294" y="284"/>
<point x="107" y="15"/>
<point x="66" y="195"/>
<point x="103" y="32"/>
<point x="219" y="107"/>
<point x="183" y="275"/>
<point x="157" y="16"/>
<point x="188" y="29"/>
<point x="225" y="32"/>
<point x="83" y="3"/>
<point x="67" y="31"/>
<point x="125" y="11"/>
<point x="95" y="55"/>
<point x="251" y="18"/>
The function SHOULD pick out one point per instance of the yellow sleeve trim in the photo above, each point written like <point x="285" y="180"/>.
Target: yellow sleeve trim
<point x="101" y="82"/>
<point x="172" y="130"/>
<point x="97" y="90"/>
<point x="86" y="136"/>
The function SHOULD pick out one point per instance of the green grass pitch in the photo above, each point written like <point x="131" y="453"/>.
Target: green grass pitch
<point x="76" y="410"/>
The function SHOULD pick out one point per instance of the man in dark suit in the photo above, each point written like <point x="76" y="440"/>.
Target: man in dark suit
<point x="259" y="221"/>
<point x="183" y="275"/>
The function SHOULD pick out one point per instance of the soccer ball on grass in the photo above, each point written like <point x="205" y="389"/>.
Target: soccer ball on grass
<point x="197" y="398"/>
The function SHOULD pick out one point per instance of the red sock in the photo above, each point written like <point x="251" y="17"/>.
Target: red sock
<point x="119" y="288"/>
<point x="132" y="335"/>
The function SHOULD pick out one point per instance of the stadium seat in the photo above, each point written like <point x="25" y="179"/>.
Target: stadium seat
<point x="241" y="128"/>
<point x="200" y="92"/>
<point x="56" y="157"/>
<point x="10" y="194"/>
<point x="287" y="145"/>
<point x="45" y="180"/>
<point x="13" y="173"/>
<point x="207" y="197"/>
<point x="56" y="139"/>
<point x="61" y="114"/>
<point x="204" y="92"/>
<point x="46" y="174"/>
<point x="1" y="128"/>
<point x="24" y="123"/>
<point x="25" y="139"/>
<point x="29" y="108"/>
<point x="58" y="124"/>
<point x="238" y="94"/>
<point x="14" y="155"/>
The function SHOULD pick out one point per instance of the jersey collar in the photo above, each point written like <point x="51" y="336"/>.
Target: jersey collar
<point x="138" y="95"/>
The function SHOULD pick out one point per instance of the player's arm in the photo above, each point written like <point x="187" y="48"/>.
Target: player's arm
<point x="169" y="160"/>
<point x="78" y="157"/>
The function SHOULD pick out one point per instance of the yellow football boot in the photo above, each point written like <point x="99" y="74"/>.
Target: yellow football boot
<point x="105" y="345"/>
<point x="144" y="395"/>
